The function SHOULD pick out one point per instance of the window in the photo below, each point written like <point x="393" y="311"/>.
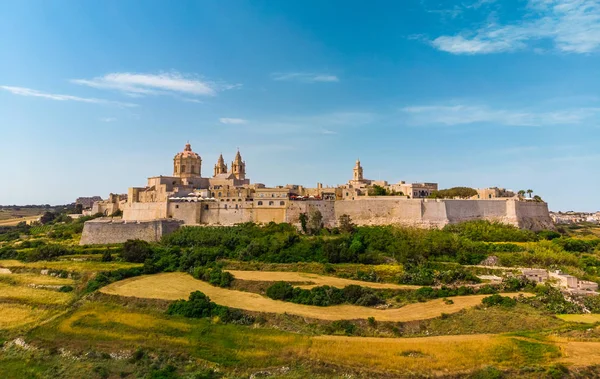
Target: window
<point x="260" y="203"/>
<point x="206" y="206"/>
<point x="236" y="206"/>
<point x="225" y="206"/>
<point x="193" y="169"/>
<point x="213" y="194"/>
<point x="177" y="206"/>
<point x="271" y="202"/>
<point x="282" y="203"/>
<point x="272" y="195"/>
<point x="219" y="194"/>
<point x="182" y="168"/>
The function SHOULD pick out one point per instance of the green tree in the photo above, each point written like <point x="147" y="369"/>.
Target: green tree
<point x="529" y="192"/>
<point x="315" y="222"/>
<point x="303" y="219"/>
<point x="136" y="251"/>
<point x="376" y="190"/>
<point x="451" y="193"/>
<point x="346" y="225"/>
<point x="521" y="193"/>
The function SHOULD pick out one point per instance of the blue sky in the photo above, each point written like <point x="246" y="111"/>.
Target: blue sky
<point x="95" y="96"/>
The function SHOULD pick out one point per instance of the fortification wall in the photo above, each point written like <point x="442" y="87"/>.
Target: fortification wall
<point x="217" y="214"/>
<point x="466" y="210"/>
<point x="144" y="211"/>
<point x="533" y="215"/>
<point x="381" y="211"/>
<point x="326" y="207"/>
<point x="102" y="231"/>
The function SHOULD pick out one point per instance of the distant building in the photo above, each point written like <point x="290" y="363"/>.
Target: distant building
<point x="87" y="202"/>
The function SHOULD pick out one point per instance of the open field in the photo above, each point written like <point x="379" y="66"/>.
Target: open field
<point x="385" y="272"/>
<point x="33" y="295"/>
<point x="110" y="328"/>
<point x="174" y="286"/>
<point x="584" y="318"/>
<point x="81" y="266"/>
<point x="29" y="278"/>
<point x="15" y="221"/>
<point x="16" y="315"/>
<point x="431" y="355"/>
<point x="316" y="280"/>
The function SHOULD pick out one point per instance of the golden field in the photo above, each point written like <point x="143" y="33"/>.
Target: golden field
<point x="174" y="286"/>
<point x="584" y="318"/>
<point x="314" y="279"/>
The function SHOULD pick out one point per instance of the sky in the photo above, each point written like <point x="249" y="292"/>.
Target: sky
<point x="96" y="96"/>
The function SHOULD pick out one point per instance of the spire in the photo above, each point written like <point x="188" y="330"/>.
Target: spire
<point x="238" y="157"/>
<point x="221" y="161"/>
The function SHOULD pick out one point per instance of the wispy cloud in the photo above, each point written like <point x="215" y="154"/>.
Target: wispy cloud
<point x="468" y="114"/>
<point x="136" y="85"/>
<point x="232" y="121"/>
<point x="573" y="26"/>
<point x="329" y="132"/>
<point x="22" y="91"/>
<point x="108" y="119"/>
<point x="304" y="77"/>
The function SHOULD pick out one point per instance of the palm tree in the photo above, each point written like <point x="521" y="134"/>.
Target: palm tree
<point x="529" y="192"/>
<point x="521" y="193"/>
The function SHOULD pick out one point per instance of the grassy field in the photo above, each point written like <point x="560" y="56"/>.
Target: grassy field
<point x="584" y="318"/>
<point x="14" y="316"/>
<point x="82" y="266"/>
<point x="15" y="221"/>
<point x="111" y="328"/>
<point x="315" y="279"/>
<point x="173" y="286"/>
<point x="385" y="272"/>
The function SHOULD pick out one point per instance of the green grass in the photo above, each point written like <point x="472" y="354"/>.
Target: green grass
<point x="585" y="318"/>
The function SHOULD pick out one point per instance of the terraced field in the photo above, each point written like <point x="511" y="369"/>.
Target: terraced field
<point x="174" y="286"/>
<point x="314" y="279"/>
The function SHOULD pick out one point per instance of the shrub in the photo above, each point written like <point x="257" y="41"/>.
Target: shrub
<point x="280" y="291"/>
<point x="136" y="251"/>
<point x="498" y="300"/>
<point x="65" y="289"/>
<point x="200" y="306"/>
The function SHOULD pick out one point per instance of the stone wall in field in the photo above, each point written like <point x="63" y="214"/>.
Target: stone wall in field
<point x="103" y="231"/>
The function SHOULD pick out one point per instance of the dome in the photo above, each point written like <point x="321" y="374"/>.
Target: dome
<point x="187" y="152"/>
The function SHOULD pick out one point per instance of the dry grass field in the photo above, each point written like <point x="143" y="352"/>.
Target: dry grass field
<point x="316" y="280"/>
<point x="82" y="266"/>
<point x="174" y="286"/>
<point x="16" y="315"/>
<point x="33" y="295"/>
<point x="15" y="221"/>
<point x="584" y="318"/>
<point x="30" y="278"/>
<point x="427" y="355"/>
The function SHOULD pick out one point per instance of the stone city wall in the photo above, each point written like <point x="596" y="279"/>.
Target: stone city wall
<point x="101" y="231"/>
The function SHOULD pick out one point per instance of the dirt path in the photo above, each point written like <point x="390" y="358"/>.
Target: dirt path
<point x="174" y="286"/>
<point x="318" y="280"/>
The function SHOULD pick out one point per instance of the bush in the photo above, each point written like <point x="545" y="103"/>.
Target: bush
<point x="498" y="300"/>
<point x="136" y="251"/>
<point x="200" y="306"/>
<point x="104" y="278"/>
<point x="65" y="289"/>
<point x="323" y="295"/>
<point x="215" y="276"/>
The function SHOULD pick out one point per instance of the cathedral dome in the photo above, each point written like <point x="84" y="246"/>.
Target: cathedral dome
<point x="187" y="152"/>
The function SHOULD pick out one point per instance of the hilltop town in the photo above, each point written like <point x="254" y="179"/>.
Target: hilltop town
<point x="228" y="197"/>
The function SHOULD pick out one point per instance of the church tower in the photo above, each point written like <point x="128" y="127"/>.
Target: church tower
<point x="238" y="167"/>
<point x="187" y="164"/>
<point x="358" y="172"/>
<point x="220" y="167"/>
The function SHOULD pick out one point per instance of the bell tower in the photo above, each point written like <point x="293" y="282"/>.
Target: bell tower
<point x="220" y="167"/>
<point x="358" y="172"/>
<point x="238" y="167"/>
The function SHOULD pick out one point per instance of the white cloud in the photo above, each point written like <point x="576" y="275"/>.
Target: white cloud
<point x="137" y="85"/>
<point x="329" y="132"/>
<point x="108" y="119"/>
<point x="233" y="121"/>
<point x="304" y="77"/>
<point x="466" y="114"/>
<point x="572" y="25"/>
<point x="52" y="96"/>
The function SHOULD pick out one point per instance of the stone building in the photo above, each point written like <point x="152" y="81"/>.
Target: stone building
<point x="228" y="197"/>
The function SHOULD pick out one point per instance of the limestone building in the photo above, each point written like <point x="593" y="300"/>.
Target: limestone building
<point x="228" y="197"/>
